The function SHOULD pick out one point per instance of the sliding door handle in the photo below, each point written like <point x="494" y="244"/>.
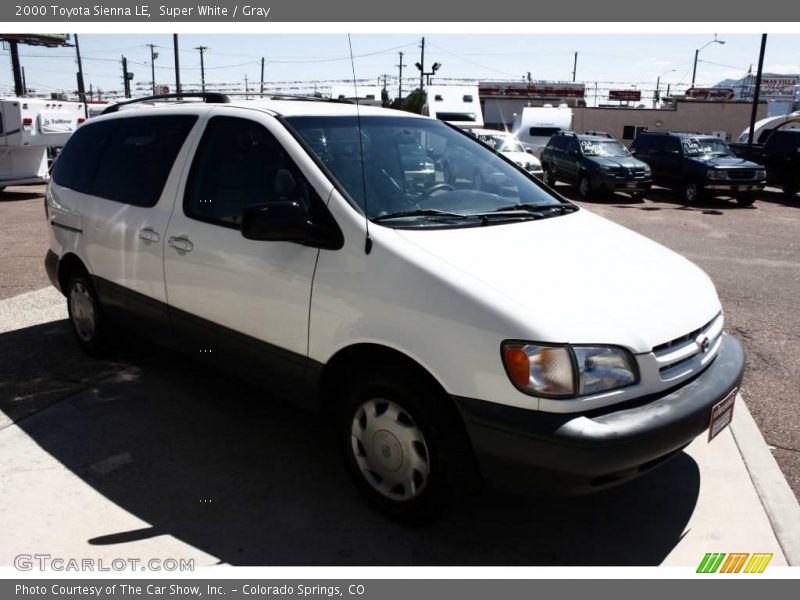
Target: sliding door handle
<point x="181" y="243"/>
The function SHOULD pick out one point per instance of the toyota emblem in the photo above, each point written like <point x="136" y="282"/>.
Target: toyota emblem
<point x="705" y="344"/>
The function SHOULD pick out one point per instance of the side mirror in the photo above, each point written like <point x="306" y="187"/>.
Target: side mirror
<point x="528" y="150"/>
<point x="289" y="221"/>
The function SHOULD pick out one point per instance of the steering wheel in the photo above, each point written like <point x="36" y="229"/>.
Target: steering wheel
<point x="438" y="187"/>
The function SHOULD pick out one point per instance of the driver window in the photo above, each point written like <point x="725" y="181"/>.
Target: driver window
<point x="237" y="164"/>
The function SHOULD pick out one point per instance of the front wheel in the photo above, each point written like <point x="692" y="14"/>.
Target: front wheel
<point x="548" y="177"/>
<point x="405" y="452"/>
<point x="584" y="187"/>
<point x="745" y="199"/>
<point x="691" y="192"/>
<point x="85" y="315"/>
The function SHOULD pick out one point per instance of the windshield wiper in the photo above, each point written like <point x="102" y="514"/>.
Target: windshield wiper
<point x="536" y="207"/>
<point x="422" y="212"/>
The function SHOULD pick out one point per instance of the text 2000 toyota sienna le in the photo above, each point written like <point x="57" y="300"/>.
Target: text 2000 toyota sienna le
<point x="451" y="333"/>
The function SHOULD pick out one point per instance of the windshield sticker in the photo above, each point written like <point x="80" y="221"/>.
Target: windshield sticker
<point x="690" y="145"/>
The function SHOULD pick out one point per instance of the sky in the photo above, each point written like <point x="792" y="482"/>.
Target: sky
<point x="616" y="61"/>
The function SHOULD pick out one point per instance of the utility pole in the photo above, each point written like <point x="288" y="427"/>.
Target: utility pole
<point x="177" y="63"/>
<point x="24" y="83"/>
<point x="126" y="80"/>
<point x="262" y="76"/>
<point x="575" y="67"/>
<point x="400" y="79"/>
<point x="81" y="85"/>
<point x="202" y="50"/>
<point x="422" y="66"/>
<point x="757" y="91"/>
<point x="153" y="57"/>
<point x="19" y="87"/>
<point x="246" y="89"/>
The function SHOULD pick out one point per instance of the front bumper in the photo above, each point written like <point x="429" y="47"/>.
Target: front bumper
<point x="735" y="188"/>
<point x="622" y="185"/>
<point x="532" y="451"/>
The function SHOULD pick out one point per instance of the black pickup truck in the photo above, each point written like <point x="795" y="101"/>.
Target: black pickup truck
<point x="780" y="154"/>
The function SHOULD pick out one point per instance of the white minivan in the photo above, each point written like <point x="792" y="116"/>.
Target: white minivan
<point x="450" y="334"/>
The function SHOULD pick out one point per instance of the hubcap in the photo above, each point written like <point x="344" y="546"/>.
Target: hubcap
<point x="390" y="449"/>
<point x="82" y="311"/>
<point x="691" y="192"/>
<point x="584" y="187"/>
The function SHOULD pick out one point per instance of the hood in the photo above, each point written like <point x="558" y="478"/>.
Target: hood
<point x="626" y="162"/>
<point x="522" y="157"/>
<point x="726" y="162"/>
<point x="578" y="278"/>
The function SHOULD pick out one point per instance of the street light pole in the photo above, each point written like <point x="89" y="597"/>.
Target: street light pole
<point x="657" y="95"/>
<point x="697" y="54"/>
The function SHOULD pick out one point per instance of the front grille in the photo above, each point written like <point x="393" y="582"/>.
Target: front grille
<point x="741" y="174"/>
<point x="676" y="357"/>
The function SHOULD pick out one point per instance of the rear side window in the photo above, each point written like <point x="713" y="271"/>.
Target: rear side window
<point x="138" y="157"/>
<point x="240" y="163"/>
<point x="557" y="142"/>
<point x="77" y="163"/>
<point x="785" y="142"/>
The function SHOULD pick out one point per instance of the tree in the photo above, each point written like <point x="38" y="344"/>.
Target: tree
<point x="414" y="102"/>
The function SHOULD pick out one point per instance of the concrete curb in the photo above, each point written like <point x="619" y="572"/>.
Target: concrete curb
<point x="776" y="496"/>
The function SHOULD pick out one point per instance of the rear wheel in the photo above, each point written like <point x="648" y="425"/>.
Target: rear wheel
<point x="405" y="452"/>
<point x="86" y="317"/>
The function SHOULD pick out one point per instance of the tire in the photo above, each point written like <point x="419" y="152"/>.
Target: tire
<point x="405" y="449"/>
<point x="637" y="196"/>
<point x="584" y="186"/>
<point x="89" y="324"/>
<point x="692" y="192"/>
<point x="791" y="192"/>
<point x="745" y="199"/>
<point x="547" y="177"/>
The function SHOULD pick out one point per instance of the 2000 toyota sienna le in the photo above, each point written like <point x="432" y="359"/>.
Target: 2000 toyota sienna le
<point x="451" y="334"/>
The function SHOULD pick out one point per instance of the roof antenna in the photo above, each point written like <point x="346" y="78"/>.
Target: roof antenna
<point x="368" y="240"/>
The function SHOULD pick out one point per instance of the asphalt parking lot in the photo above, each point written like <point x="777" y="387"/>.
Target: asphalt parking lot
<point x="177" y="461"/>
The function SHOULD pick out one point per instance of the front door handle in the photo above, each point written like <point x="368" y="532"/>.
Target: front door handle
<point x="181" y="243"/>
<point x="149" y="235"/>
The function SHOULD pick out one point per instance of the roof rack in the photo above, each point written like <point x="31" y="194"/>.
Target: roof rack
<point x="209" y="97"/>
<point x="300" y="97"/>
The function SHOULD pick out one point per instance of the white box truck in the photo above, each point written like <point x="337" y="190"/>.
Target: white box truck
<point x="535" y="125"/>
<point x="459" y="105"/>
<point x="28" y="127"/>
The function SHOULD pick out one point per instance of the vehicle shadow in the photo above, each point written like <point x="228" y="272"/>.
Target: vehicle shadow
<point x="775" y="196"/>
<point x="15" y="195"/>
<point x="662" y="199"/>
<point x="251" y="480"/>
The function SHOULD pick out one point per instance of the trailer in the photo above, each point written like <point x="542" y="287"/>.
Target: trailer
<point x="537" y="124"/>
<point x="30" y="131"/>
<point x="457" y="104"/>
<point x="764" y="128"/>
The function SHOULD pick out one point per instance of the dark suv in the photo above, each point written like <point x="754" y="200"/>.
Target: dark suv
<point x="594" y="162"/>
<point x="699" y="165"/>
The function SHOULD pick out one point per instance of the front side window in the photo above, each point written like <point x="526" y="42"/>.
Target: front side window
<point x="418" y="167"/>
<point x="240" y="163"/>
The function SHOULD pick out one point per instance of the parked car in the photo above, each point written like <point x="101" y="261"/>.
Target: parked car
<point x="594" y="163"/>
<point x="508" y="145"/>
<point x="449" y="335"/>
<point x="780" y="154"/>
<point x="699" y="165"/>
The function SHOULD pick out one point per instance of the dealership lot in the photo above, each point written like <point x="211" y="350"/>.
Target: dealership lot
<point x="146" y="455"/>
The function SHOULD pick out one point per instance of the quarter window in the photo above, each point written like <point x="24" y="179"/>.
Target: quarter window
<point x="77" y="163"/>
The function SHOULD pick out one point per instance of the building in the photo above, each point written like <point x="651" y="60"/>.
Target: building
<point x="780" y="91"/>
<point x="501" y="100"/>
<point x="723" y="119"/>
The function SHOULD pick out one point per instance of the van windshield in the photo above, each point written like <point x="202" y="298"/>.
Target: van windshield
<point x="419" y="172"/>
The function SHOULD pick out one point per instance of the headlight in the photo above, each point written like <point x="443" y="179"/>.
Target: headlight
<point x="761" y="174"/>
<point x="715" y="174"/>
<point x="567" y="371"/>
<point x="647" y="170"/>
